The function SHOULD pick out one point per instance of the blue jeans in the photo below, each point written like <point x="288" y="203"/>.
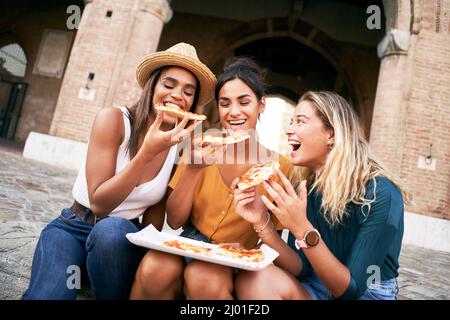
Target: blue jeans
<point x="100" y="252"/>
<point x="386" y="290"/>
<point x="191" y="232"/>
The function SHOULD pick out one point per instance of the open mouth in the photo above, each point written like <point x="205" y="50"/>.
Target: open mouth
<point x="237" y="123"/>
<point x="171" y="104"/>
<point x="295" y="145"/>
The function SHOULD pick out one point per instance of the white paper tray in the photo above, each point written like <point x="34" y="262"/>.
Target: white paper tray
<point x="150" y="237"/>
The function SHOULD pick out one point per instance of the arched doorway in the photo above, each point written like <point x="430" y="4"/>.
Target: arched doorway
<point x="292" y="69"/>
<point x="332" y="31"/>
<point x="13" y="64"/>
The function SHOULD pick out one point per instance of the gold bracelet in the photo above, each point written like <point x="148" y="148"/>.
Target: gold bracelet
<point x="265" y="225"/>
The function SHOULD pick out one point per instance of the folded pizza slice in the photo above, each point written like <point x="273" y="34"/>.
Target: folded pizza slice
<point x="234" y="136"/>
<point x="257" y="174"/>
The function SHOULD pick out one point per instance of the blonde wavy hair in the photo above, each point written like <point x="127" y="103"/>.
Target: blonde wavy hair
<point x="350" y="163"/>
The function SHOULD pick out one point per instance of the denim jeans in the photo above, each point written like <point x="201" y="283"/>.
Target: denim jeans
<point x="386" y="290"/>
<point x="100" y="252"/>
<point x="191" y="232"/>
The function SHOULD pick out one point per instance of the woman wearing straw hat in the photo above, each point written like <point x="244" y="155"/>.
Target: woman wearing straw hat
<point x="201" y="199"/>
<point x="129" y="162"/>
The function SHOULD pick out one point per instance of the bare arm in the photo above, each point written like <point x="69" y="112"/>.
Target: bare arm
<point x="333" y="273"/>
<point x="248" y="205"/>
<point x="290" y="209"/>
<point x="288" y="259"/>
<point x="105" y="189"/>
<point x="179" y="203"/>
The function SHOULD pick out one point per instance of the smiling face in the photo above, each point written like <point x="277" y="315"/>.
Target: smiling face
<point x="238" y="106"/>
<point x="175" y="86"/>
<point x="309" y="138"/>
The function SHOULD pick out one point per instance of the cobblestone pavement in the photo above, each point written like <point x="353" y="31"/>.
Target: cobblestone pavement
<point x="32" y="194"/>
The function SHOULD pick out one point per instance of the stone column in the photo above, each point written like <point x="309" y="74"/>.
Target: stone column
<point x="387" y="134"/>
<point x="143" y="38"/>
<point x="411" y="119"/>
<point x="111" y="38"/>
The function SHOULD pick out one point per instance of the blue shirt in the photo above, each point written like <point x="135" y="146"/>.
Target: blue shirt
<point x="364" y="243"/>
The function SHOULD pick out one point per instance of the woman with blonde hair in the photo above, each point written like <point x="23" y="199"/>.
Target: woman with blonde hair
<point x="346" y="232"/>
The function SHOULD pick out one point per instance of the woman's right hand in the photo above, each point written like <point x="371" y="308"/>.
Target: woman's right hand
<point x="157" y="140"/>
<point x="204" y="155"/>
<point x="248" y="204"/>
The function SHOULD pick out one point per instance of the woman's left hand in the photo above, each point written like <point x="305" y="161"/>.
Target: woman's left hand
<point x="290" y="208"/>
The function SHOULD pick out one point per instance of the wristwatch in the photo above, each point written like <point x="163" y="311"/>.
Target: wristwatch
<point x="311" y="239"/>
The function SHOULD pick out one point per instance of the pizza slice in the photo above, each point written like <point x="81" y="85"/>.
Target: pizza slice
<point x="188" y="247"/>
<point x="178" y="112"/>
<point x="248" y="255"/>
<point x="234" y="136"/>
<point x="258" y="174"/>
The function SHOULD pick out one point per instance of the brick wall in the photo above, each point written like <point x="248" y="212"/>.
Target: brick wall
<point x="412" y="108"/>
<point x="428" y="112"/>
<point x="94" y="50"/>
<point x="110" y="48"/>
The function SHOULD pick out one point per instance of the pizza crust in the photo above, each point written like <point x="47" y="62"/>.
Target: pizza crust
<point x="233" y="137"/>
<point x="176" y="111"/>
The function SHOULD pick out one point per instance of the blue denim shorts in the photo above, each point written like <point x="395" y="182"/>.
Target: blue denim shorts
<point x="192" y="232"/>
<point x="385" y="290"/>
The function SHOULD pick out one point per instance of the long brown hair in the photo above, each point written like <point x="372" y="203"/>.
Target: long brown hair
<point x="139" y="112"/>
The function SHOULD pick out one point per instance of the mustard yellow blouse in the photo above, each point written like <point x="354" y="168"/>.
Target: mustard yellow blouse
<point x="213" y="211"/>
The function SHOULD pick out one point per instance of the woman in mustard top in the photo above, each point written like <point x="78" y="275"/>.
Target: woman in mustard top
<point x="201" y="199"/>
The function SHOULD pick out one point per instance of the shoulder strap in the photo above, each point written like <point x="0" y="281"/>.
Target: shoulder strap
<point x="126" y="123"/>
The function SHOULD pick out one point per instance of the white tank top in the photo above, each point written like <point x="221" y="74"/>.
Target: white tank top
<point x="142" y="196"/>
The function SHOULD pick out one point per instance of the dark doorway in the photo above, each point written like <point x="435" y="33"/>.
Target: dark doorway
<point x="12" y="95"/>
<point x="294" y="68"/>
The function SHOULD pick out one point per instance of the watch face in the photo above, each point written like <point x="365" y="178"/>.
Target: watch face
<point x="312" y="238"/>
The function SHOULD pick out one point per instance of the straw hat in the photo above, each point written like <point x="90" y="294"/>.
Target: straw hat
<point x="181" y="55"/>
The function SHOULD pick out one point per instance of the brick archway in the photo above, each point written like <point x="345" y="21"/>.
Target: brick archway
<point x="312" y="38"/>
